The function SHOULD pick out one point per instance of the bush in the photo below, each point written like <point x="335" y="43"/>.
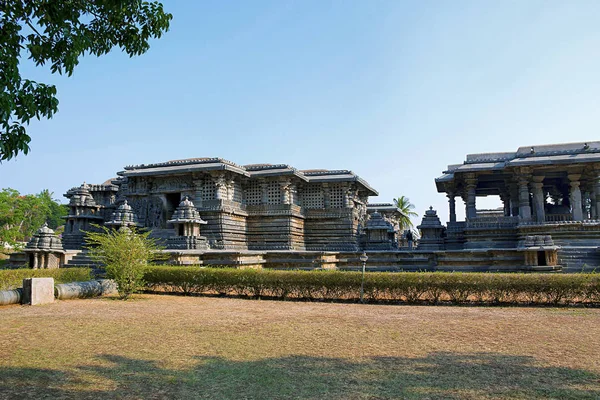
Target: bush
<point x="125" y="254"/>
<point x="405" y="287"/>
<point x="13" y="278"/>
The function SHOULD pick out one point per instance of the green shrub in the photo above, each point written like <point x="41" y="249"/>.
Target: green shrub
<point x="13" y="278"/>
<point x="124" y="253"/>
<point x="406" y="287"/>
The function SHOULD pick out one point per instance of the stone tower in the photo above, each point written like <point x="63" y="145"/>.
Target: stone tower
<point x="83" y="213"/>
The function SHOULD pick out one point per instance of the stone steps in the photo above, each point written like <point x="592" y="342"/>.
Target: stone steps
<point x="81" y="260"/>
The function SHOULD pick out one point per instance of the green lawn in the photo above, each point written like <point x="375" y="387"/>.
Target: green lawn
<point x="196" y="347"/>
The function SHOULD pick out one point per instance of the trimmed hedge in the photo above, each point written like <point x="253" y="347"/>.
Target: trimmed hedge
<point x="394" y="287"/>
<point x="13" y="278"/>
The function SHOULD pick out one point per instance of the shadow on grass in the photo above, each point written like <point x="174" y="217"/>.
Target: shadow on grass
<point x="436" y="376"/>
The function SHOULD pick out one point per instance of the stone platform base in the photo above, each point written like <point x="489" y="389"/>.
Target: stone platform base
<point x="480" y="260"/>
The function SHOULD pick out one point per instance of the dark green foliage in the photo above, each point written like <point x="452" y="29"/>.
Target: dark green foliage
<point x="386" y="287"/>
<point x="13" y="278"/>
<point x="59" y="32"/>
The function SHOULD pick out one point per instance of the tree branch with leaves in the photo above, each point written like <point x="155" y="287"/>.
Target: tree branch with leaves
<point x="60" y="32"/>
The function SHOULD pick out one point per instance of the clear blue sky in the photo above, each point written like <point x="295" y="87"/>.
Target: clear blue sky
<point x="393" y="90"/>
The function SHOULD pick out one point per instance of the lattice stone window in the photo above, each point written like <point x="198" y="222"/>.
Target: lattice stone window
<point x="274" y="193"/>
<point x="253" y="193"/>
<point x="208" y="189"/>
<point x="336" y="196"/>
<point x="312" y="196"/>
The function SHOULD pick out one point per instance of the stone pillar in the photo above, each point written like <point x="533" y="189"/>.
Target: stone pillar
<point x="585" y="202"/>
<point x="348" y="196"/>
<point x="524" y="207"/>
<point x="539" y="200"/>
<point x="220" y="187"/>
<point x="596" y="203"/>
<point x="505" y="197"/>
<point x="575" y="196"/>
<point x="471" y="197"/>
<point x="593" y="202"/>
<point x="230" y="189"/>
<point x="451" y="206"/>
<point x="514" y="200"/>
<point x="35" y="260"/>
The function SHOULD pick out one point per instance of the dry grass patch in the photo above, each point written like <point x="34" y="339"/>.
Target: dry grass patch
<point x="182" y="347"/>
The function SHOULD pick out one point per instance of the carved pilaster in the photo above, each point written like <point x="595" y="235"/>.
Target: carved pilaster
<point x="326" y="196"/>
<point x="286" y="196"/>
<point x="220" y="186"/>
<point x="264" y="187"/>
<point x="198" y="185"/>
<point x="230" y="189"/>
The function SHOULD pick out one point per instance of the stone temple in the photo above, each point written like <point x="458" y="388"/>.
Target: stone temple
<point x="212" y="211"/>
<point x="209" y="211"/>
<point x="551" y="205"/>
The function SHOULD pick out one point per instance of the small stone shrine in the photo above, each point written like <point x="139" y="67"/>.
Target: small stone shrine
<point x="432" y="232"/>
<point x="123" y="216"/>
<point x="539" y="251"/>
<point x="44" y="250"/>
<point x="380" y="233"/>
<point x="186" y="222"/>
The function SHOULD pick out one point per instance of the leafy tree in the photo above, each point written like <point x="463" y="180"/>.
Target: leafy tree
<point x="404" y="204"/>
<point x="21" y="216"/>
<point x="125" y="254"/>
<point x="59" y="32"/>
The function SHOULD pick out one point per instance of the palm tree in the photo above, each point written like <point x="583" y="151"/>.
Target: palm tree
<point x="404" y="204"/>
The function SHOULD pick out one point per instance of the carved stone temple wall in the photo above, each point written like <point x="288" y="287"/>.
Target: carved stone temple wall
<point x="252" y="207"/>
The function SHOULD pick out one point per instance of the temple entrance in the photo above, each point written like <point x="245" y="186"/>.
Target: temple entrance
<point x="173" y="200"/>
<point x="542" y="258"/>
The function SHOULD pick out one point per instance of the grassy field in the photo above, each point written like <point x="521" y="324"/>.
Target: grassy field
<point x="195" y="347"/>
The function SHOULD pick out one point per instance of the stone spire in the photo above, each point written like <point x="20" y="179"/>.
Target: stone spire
<point x="123" y="216"/>
<point x="186" y="213"/>
<point x="432" y="232"/>
<point x="380" y="233"/>
<point x="186" y="221"/>
<point x="45" y="239"/>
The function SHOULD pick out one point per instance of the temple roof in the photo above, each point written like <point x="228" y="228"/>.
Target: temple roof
<point x="383" y="207"/>
<point x="552" y="154"/>
<point x="179" y="167"/>
<point x="44" y="239"/>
